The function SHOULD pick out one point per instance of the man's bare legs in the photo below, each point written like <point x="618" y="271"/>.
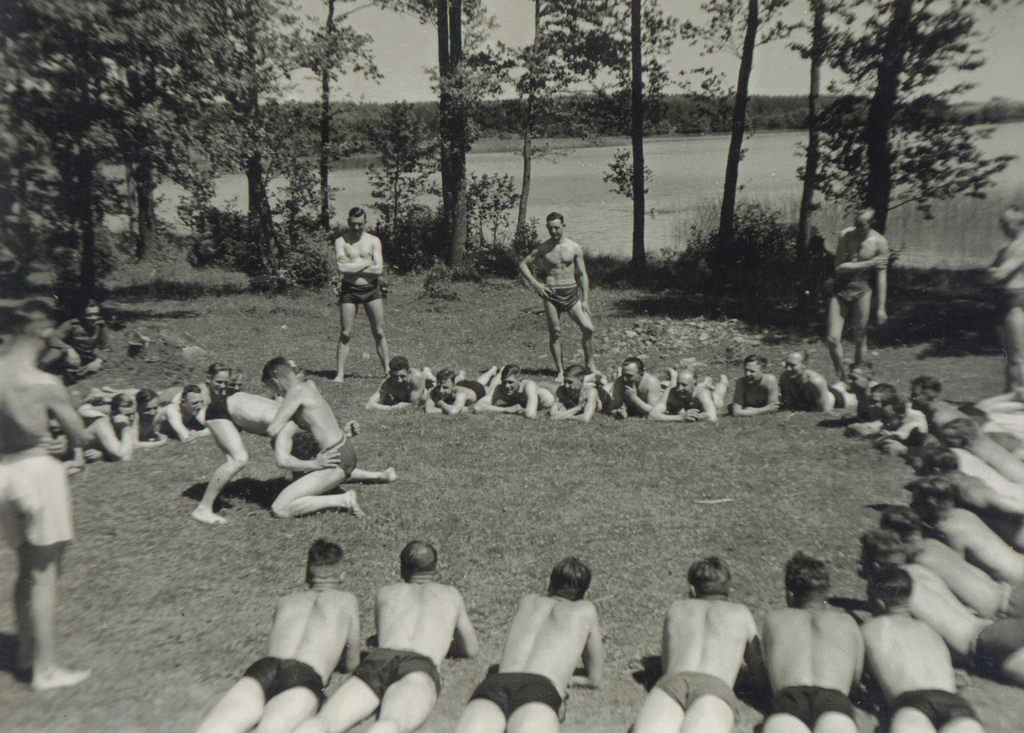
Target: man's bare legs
<point x="406" y="704"/>
<point x="661" y="714"/>
<point x="586" y="325"/>
<point x="858" y="314"/>
<point x="348" y="317"/>
<point x="35" y="604"/>
<point x="835" y="321"/>
<point x="555" y="338"/>
<point x="912" y="720"/>
<point x="352" y="702"/>
<point x="229" y="441"/>
<point x="375" y="314"/>
<point x="244" y="706"/>
<point x="308" y="493"/>
<point x="481" y="716"/>
<point x="1011" y="331"/>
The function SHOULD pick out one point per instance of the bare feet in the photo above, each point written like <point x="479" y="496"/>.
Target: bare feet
<point x="390" y="475"/>
<point x="339" y="378"/>
<point x="58" y="677"/>
<point x="206" y="516"/>
<point x="353" y="505"/>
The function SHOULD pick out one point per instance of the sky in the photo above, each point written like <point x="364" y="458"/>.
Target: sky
<point x="404" y="50"/>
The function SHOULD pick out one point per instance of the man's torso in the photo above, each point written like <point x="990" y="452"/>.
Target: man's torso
<point x="349" y="249"/>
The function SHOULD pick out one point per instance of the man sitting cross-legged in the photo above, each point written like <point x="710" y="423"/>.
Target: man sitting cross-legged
<point x="911" y="664"/>
<point x="580" y="396"/>
<point x="548" y="635"/>
<point x="403" y="387"/>
<point x="691" y="399"/>
<point x="453" y="393"/>
<point x="304" y="404"/>
<point x="416" y="620"/>
<point x="509" y="393"/>
<point x="252" y="413"/>
<point x="813" y="653"/>
<point x="312" y="630"/>
<point x="704" y="642"/>
<point x="802" y="388"/>
<point x="756" y="392"/>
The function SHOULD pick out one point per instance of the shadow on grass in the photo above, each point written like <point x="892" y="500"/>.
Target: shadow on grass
<point x="253" y="491"/>
<point x="776" y="312"/>
<point x="650" y="671"/>
<point x="127" y="315"/>
<point x="8" y="657"/>
<point x="161" y="289"/>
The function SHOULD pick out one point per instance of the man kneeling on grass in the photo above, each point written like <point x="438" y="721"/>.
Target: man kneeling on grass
<point x="312" y="630"/>
<point x="416" y="622"/>
<point x="548" y="636"/>
<point x="705" y="641"/>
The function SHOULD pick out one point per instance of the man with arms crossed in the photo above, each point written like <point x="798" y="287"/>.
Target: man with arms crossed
<point x="511" y="394"/>
<point x="813" y="653"/>
<point x="416" y="621"/>
<point x="705" y="641"/>
<point x="312" y="630"/>
<point x="403" y="387"/>
<point x="861" y="253"/>
<point x="756" y="392"/>
<point x="361" y="263"/>
<point x="35" y="502"/>
<point x="566" y="288"/>
<point x="911" y="663"/>
<point x="548" y="636"/>
<point x="304" y="404"/>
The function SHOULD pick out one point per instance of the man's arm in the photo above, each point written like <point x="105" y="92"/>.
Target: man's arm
<point x="593" y="656"/>
<point x="823" y="396"/>
<point x="582" y="279"/>
<point x="59" y="405"/>
<point x="172" y="413"/>
<point x="530" y="411"/>
<point x="351" y="654"/>
<point x="772" y="404"/>
<point x="1010" y="260"/>
<point x="291" y="403"/>
<point x="708" y="411"/>
<point x="376" y="401"/>
<point x="660" y="411"/>
<point x="524" y="269"/>
<point x="431" y="407"/>
<point x="978" y="495"/>
<point x="376" y="259"/>
<point x="283" y="453"/>
<point x="466" y="644"/>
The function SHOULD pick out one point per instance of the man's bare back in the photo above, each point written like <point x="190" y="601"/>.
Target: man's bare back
<point x="709" y="636"/>
<point x="906" y="654"/>
<point x="819" y="648"/>
<point x="418" y="617"/>
<point x="314" y="626"/>
<point x="965" y="532"/>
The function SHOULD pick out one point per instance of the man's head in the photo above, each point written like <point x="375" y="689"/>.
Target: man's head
<point x="357" y="219"/>
<point x="92" y="313"/>
<point x="510" y="377"/>
<point x="923" y="391"/>
<point x="863" y="218"/>
<point x="399" y="369"/>
<point x="686" y="382"/>
<point x="958" y="433"/>
<point x="1011" y="221"/>
<point x="323" y="562"/>
<point x="885" y="404"/>
<point x="753" y="368"/>
<point x="218" y="379"/>
<point x="570" y="579"/>
<point x="796" y="363"/>
<point x="880" y="548"/>
<point x="446" y="382"/>
<point x="932" y="497"/>
<point x="32" y="319"/>
<point x="889" y="589"/>
<point x="632" y="370"/>
<point x="147" y="402"/>
<point x="192" y="400"/>
<point x="574" y="376"/>
<point x="860" y="375"/>
<point x="236" y="382"/>
<point x="709" y="576"/>
<point x="904" y="522"/>
<point x="278" y="374"/>
<point x="807" y="580"/>
<point x="556" y="225"/>
<point x="418" y="558"/>
<point x="122" y="404"/>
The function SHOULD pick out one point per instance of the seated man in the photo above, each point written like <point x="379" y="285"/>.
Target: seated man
<point x="705" y="640"/>
<point x="416" y="621"/>
<point x="545" y="642"/>
<point x="691" y="399"/>
<point x="802" y="388"/>
<point x="911" y="664"/>
<point x="453" y="394"/>
<point x="74" y="345"/>
<point x="509" y="393"/>
<point x="251" y="413"/>
<point x="635" y="392"/>
<point x="814" y="655"/>
<point x="580" y="396"/>
<point x="994" y="648"/>
<point x="403" y="387"/>
<point x="312" y="630"/>
<point x="304" y="404"/>
<point x="756" y="392"/>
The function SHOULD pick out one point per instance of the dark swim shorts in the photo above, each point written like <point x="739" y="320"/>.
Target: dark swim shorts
<point x="1013" y="607"/>
<point x="938" y="705"/>
<point x="218" y="409"/>
<point x="276" y="675"/>
<point x="685" y="687"/>
<point x="810" y="703"/>
<point x="997" y="641"/>
<point x="352" y="293"/>
<point x="511" y="690"/>
<point x="1007" y="300"/>
<point x="564" y="298"/>
<point x="305" y="447"/>
<point x="478" y="389"/>
<point x="384" y="667"/>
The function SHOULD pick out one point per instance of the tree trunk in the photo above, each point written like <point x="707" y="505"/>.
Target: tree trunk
<point x="528" y="122"/>
<point x="86" y="176"/>
<point x="444" y="72"/>
<point x="739" y="118"/>
<point x="261" y="222"/>
<point x="325" y="130"/>
<point x="460" y="142"/>
<point x="880" y="114"/>
<point x="144" y="184"/>
<point x="637" y="132"/>
<point x="813" y="144"/>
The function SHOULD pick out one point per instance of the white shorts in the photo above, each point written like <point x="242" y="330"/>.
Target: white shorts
<point x="35" y="502"/>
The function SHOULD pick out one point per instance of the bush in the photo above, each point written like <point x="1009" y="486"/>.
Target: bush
<point x="502" y="260"/>
<point x="302" y="264"/>
<point x="437" y="283"/>
<point x="418" y="240"/>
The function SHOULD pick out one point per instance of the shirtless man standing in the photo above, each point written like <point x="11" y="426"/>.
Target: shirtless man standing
<point x="802" y="388"/>
<point x="756" y="392"/>
<point x="360" y="261"/>
<point x="416" y="621"/>
<point x="1007" y="275"/>
<point x="861" y="253"/>
<point x="566" y="288"/>
<point x="304" y="404"/>
<point x="312" y="630"/>
<point x="35" y="502"/>
<point x="814" y="655"/>
<point x="545" y="642"/>
<point x="252" y="413"/>
<point x="635" y="392"/>
<point x="403" y="387"/>
<point x="579" y="397"/>
<point x="704" y="642"/>
<point x="911" y="663"/>
<point x="514" y="395"/>
<point x="691" y="399"/>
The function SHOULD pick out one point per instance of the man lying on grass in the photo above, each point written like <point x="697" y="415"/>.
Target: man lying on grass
<point x="403" y="387"/>
<point x="509" y="393"/>
<point x="802" y="388"/>
<point x="453" y="393"/>
<point x="580" y="396"/>
<point x="757" y="391"/>
<point x="313" y="629"/>
<point x="691" y="399"/>
<point x="417" y="620"/>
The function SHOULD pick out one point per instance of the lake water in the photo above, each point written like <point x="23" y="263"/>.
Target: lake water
<point x="687" y="180"/>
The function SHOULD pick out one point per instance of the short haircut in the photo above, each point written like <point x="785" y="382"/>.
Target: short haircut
<point x="802" y="353"/>
<point x="889" y="397"/>
<point x="940" y="460"/>
<point x="445" y="374"/>
<point x="958" y="433"/>
<point x="143" y="397"/>
<point x="555" y="216"/>
<point x="356" y="212"/>
<point x="418" y="557"/>
<point x="274" y="367"/>
<point x="805" y="575"/>
<point x="1013" y="218"/>
<point x="398" y="364"/>
<point x="510" y="370"/>
<point x="892" y="585"/>
<point x="755" y="358"/>
<point x="932" y="495"/>
<point x="635" y="360"/>
<point x="880" y="545"/>
<point x="215" y="368"/>
<point x="191" y="389"/>
<point x="570" y="579"/>
<point x="120" y="400"/>
<point x="576" y="370"/>
<point x="902" y="520"/>
<point x="867" y="213"/>
<point x="322" y="554"/>
<point x="16" y="320"/>
<point x="926" y="384"/>
<point x="709" y="575"/>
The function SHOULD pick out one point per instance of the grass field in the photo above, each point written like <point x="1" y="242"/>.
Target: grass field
<point x="168" y="612"/>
